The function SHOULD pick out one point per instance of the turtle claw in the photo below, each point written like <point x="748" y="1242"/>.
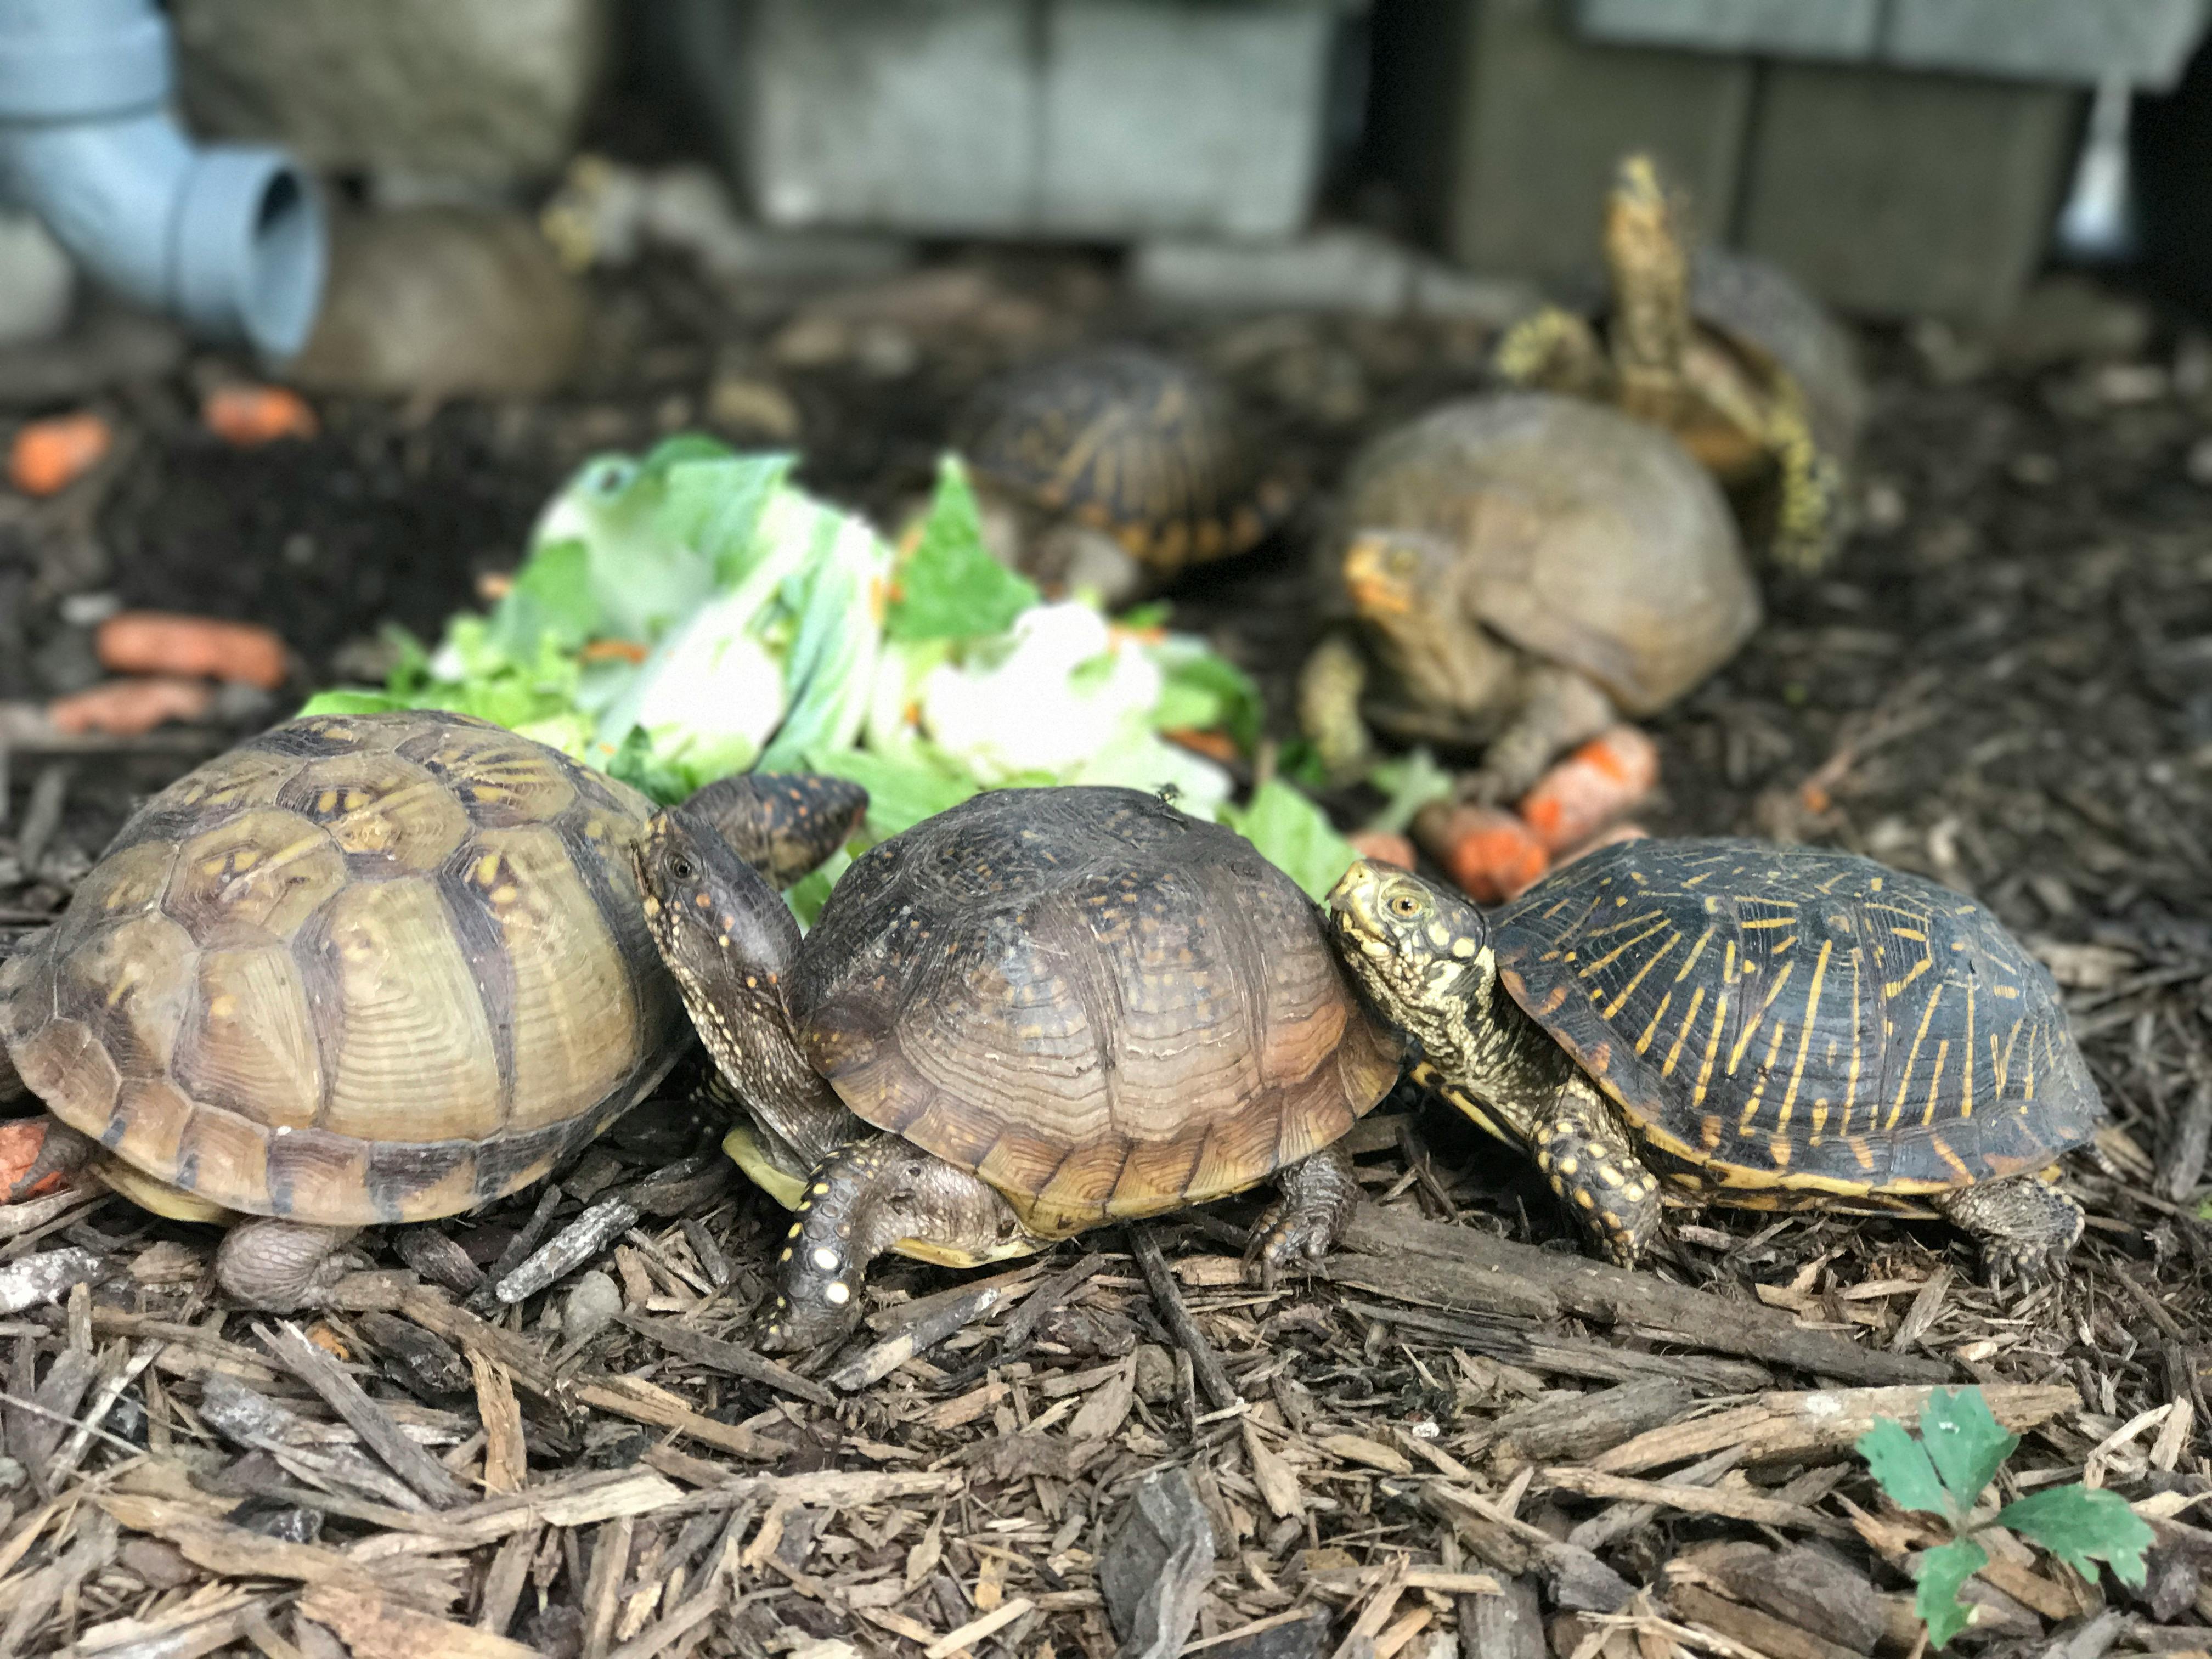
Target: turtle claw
<point x="1319" y="1192"/>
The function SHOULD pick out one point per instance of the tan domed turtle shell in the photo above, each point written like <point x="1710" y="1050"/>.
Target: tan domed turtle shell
<point x="1103" y="1007"/>
<point x="1584" y="536"/>
<point x="361" y="968"/>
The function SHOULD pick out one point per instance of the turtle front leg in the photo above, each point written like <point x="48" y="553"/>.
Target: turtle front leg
<point x="1559" y="710"/>
<point x="860" y="1201"/>
<point x="1809" y="487"/>
<point x="2024" y="1225"/>
<point x="1586" y="1156"/>
<point x="1315" y="1199"/>
<point x="280" y="1265"/>
<point x="1330" y="686"/>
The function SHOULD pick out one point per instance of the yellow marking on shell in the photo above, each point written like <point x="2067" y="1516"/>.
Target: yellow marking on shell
<point x="1896" y="988"/>
<point x="1689" y="1020"/>
<point x="1909" y="933"/>
<point x="1712" y="1049"/>
<point x="1626" y="944"/>
<point x="1942" y="1150"/>
<point x="1779" y="1150"/>
<point x="1805" y="1038"/>
<point x="1650" y="962"/>
<point x="1696" y="950"/>
<point x="1966" y="1059"/>
<point x="1912" y="1055"/>
<point x="1936" y="1083"/>
<point x="1743" y="1038"/>
<point x="1759" y="922"/>
<point x="1651" y="1029"/>
<point x="1757" y="1096"/>
<point x="222" y="1007"/>
<point x="487" y="870"/>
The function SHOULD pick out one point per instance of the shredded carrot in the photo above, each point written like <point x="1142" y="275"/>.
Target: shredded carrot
<point x="1492" y="855"/>
<point x="614" y="650"/>
<point x="250" y="415"/>
<point x="158" y="643"/>
<point x="48" y="456"/>
<point x="495" y="585"/>
<point x="1383" y="847"/>
<point x="22" y="1140"/>
<point x="127" y="708"/>
<point x="1604" y="778"/>
<point x="1214" y="745"/>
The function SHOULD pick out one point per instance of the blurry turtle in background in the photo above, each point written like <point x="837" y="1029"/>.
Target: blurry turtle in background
<point x="1113" y="469"/>
<point x="1518" y="573"/>
<point x="1724" y="352"/>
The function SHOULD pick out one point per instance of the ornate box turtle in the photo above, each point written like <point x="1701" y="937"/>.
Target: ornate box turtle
<point x="362" y="968"/>
<point x="1116" y="468"/>
<point x="1058" y="1007"/>
<point x="1521" y="571"/>
<point x="1730" y="1023"/>
<point x="1725" y="353"/>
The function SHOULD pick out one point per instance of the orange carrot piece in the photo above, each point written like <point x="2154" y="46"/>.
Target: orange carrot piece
<point x="127" y="708"/>
<point x="1214" y="745"/>
<point x="1382" y="846"/>
<point x="249" y="415"/>
<point x="614" y="650"/>
<point x="156" y="642"/>
<point x="48" y="456"/>
<point x="1490" y="853"/>
<point x="1596" y="784"/>
<point x="22" y="1140"/>
<point x="1612" y="835"/>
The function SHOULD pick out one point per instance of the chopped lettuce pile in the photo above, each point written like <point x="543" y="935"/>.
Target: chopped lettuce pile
<point x="694" y="613"/>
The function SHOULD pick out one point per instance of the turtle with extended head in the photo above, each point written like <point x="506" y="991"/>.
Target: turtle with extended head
<point x="1036" y="1012"/>
<point x="1722" y="351"/>
<point x="1113" y="469"/>
<point x="363" y="969"/>
<point x="1729" y="1022"/>
<point x="1520" y="571"/>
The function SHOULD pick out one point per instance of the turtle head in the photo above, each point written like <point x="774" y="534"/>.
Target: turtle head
<point x="1422" y="953"/>
<point x="726" y="935"/>
<point x="781" y="823"/>
<point x="1405" y="585"/>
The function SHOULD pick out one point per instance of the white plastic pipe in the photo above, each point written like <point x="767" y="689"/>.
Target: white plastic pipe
<point x="229" y="239"/>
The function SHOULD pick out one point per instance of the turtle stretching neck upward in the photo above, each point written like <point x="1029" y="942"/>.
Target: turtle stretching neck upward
<point x="1038" y="1012"/>
<point x="1727" y="1023"/>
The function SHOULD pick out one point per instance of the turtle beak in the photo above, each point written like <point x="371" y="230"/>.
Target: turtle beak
<point x="1367" y="580"/>
<point x="1351" y="900"/>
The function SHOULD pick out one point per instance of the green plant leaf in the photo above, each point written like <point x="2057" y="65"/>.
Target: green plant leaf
<point x="902" y="793"/>
<point x="1204" y="692"/>
<point x="949" y="586"/>
<point x="1966" y="1444"/>
<point x="551" y="600"/>
<point x="344" y="701"/>
<point x="1412" y="782"/>
<point x="2082" y="1527"/>
<point x="1901" y="1465"/>
<point x="1295" y="835"/>
<point x="1942" y="1571"/>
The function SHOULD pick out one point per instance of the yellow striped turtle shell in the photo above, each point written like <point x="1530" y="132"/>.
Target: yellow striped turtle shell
<point x="1792" y="1018"/>
<point x="362" y="968"/>
<point x="1101" y="1006"/>
<point x="1148" y="449"/>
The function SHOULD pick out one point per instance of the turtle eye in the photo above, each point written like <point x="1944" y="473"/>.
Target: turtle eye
<point x="681" y="867"/>
<point x="1407" y="905"/>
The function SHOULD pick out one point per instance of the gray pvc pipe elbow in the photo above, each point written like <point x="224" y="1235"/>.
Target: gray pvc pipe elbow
<point x="229" y="239"/>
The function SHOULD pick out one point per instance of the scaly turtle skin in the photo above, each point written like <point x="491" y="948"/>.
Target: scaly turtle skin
<point x="1725" y="354"/>
<point x="1058" y="1007"/>
<point x="1120" y="466"/>
<point x="361" y="968"/>
<point x="1521" y="571"/>
<point x="1729" y="1022"/>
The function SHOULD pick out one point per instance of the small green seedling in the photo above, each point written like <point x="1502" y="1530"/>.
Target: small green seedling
<point x="1959" y="1450"/>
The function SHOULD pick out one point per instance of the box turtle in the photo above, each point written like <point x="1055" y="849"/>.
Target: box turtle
<point x="1113" y="469"/>
<point x="1724" y="352"/>
<point x="1520" y="570"/>
<point x="362" y="968"/>
<point x="1728" y="1022"/>
<point x="1045" y="1008"/>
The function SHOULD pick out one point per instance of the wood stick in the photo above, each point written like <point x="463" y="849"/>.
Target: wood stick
<point x="718" y="1355"/>
<point x="1491" y="1268"/>
<point x="1015" y="1336"/>
<point x="1175" y="1314"/>
<point x="1696" y="1500"/>
<point x="382" y="1436"/>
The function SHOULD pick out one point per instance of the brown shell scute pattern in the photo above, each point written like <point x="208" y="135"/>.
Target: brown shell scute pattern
<point x="1797" y="1017"/>
<point x="1103" y="1007"/>
<point x="362" y="968"/>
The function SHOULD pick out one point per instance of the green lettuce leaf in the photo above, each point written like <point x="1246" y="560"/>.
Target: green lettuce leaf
<point x="949" y="586"/>
<point x="1294" y="835"/>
